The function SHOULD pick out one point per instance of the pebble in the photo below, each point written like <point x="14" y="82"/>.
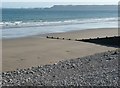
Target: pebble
<point x="96" y="70"/>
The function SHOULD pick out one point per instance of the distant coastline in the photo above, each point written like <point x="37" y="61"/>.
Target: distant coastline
<point x="75" y="7"/>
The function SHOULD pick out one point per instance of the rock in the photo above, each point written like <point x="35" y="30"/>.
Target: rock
<point x="109" y="58"/>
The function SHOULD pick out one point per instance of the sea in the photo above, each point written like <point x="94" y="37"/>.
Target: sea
<point x="27" y="22"/>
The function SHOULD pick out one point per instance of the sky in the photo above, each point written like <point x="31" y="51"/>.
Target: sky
<point x="50" y="3"/>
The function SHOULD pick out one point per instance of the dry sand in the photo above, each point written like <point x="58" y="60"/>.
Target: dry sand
<point x="34" y="50"/>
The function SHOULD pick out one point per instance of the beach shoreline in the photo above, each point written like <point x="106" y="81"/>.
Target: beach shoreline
<point x="68" y="32"/>
<point x="25" y="52"/>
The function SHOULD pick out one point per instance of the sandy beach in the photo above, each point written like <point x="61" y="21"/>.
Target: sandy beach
<point x="86" y="34"/>
<point x="36" y="50"/>
<point x="59" y="44"/>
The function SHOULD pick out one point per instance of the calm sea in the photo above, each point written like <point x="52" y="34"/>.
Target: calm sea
<point x="27" y="22"/>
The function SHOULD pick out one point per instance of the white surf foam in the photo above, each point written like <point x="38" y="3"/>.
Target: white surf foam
<point x="21" y="24"/>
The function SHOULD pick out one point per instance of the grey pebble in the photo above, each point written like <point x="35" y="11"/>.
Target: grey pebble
<point x="96" y="70"/>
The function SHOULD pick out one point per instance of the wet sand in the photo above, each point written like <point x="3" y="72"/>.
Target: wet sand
<point x="86" y="34"/>
<point x="35" y="50"/>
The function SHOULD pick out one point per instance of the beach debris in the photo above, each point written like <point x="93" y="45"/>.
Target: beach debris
<point x="76" y="40"/>
<point x="57" y="37"/>
<point x="106" y="37"/>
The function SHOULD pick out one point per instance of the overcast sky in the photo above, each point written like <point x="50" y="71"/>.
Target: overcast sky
<point x="49" y="3"/>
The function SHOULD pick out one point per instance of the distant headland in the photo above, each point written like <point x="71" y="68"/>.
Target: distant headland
<point x="81" y="7"/>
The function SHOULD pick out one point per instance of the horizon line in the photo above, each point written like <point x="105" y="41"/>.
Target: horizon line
<point x="57" y="5"/>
